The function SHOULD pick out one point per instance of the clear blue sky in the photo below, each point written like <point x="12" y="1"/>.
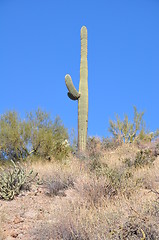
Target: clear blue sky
<point x="40" y="44"/>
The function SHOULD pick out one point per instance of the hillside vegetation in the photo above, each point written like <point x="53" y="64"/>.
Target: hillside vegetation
<point x="49" y="190"/>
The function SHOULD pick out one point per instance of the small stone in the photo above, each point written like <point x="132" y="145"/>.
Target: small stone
<point x="21" y="236"/>
<point x="18" y="220"/>
<point x="14" y="234"/>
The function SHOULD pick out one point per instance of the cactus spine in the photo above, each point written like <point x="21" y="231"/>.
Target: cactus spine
<point x="82" y="95"/>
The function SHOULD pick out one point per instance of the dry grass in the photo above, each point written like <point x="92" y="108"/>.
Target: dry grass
<point x="106" y="206"/>
<point x="115" y="158"/>
<point x="118" y="219"/>
<point x="102" y="199"/>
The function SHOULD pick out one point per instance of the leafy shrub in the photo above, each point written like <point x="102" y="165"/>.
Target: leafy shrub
<point x="14" y="137"/>
<point x="61" y="146"/>
<point x="127" y="131"/>
<point x="13" y="180"/>
<point x="41" y="139"/>
<point x="36" y="135"/>
<point x="102" y="169"/>
<point x="118" y="179"/>
<point x="142" y="158"/>
<point x="47" y="138"/>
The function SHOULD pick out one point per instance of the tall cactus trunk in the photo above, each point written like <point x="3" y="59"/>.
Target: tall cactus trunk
<point x="83" y="91"/>
<point x="82" y="95"/>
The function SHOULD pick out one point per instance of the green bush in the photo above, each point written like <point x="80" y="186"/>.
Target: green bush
<point x="14" y="137"/>
<point x="117" y="178"/>
<point x="142" y="158"/>
<point x="37" y="135"/>
<point x="47" y="138"/>
<point x="127" y="131"/>
<point x="61" y="146"/>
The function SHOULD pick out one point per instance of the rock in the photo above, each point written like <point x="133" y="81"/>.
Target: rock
<point x="18" y="220"/>
<point x="14" y="234"/>
<point x="21" y="236"/>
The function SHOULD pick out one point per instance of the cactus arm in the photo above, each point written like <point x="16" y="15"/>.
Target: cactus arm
<point x="72" y="92"/>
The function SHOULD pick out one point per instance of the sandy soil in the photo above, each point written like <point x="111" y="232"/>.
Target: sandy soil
<point x="21" y="217"/>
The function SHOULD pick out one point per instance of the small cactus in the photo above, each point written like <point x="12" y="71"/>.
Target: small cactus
<point x="13" y="180"/>
<point x="82" y="95"/>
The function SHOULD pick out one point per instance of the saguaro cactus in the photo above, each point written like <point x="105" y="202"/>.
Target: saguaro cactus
<point x="82" y="95"/>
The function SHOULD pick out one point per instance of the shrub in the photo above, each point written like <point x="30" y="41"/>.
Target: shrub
<point x="47" y="138"/>
<point x="61" y="146"/>
<point x="127" y="131"/>
<point x="41" y="139"/>
<point x="13" y="180"/>
<point x="142" y="158"/>
<point x="93" y="190"/>
<point x="156" y="151"/>
<point x="14" y="137"/>
<point x="69" y="231"/>
<point x="110" y="143"/>
<point x="118" y="179"/>
<point x="72" y="227"/>
<point x="153" y="206"/>
<point x="136" y="228"/>
<point x="57" y="184"/>
<point x="37" y="135"/>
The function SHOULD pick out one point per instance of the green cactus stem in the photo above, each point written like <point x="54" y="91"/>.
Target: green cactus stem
<point x="82" y="95"/>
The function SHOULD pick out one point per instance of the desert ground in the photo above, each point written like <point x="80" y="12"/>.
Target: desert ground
<point x="106" y="194"/>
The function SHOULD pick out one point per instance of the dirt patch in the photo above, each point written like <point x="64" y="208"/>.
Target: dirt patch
<point x="24" y="213"/>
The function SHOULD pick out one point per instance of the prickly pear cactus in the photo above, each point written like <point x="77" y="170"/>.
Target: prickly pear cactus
<point x="82" y="95"/>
